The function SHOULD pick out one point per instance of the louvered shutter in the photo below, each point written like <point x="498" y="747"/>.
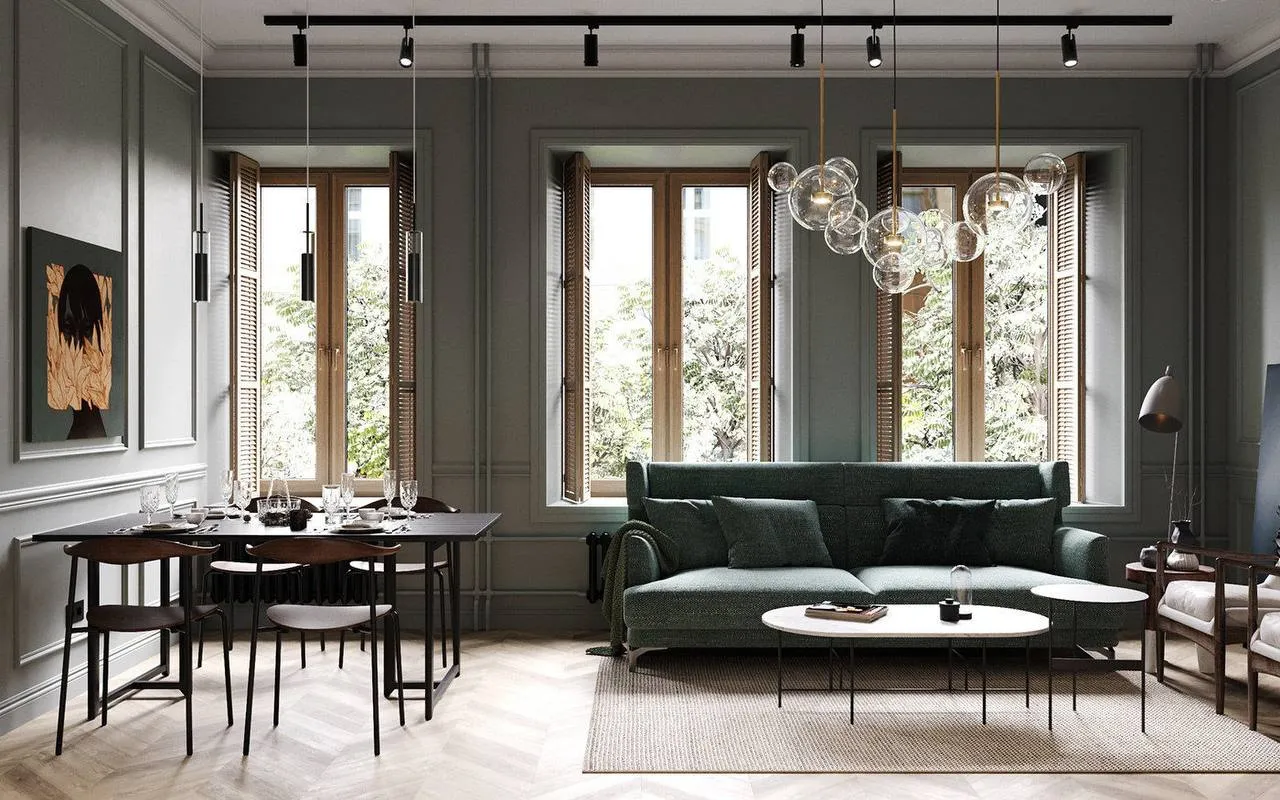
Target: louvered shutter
<point x="403" y="349"/>
<point x="246" y="312"/>
<point x="1066" y="316"/>
<point x="888" y="341"/>
<point x="576" y="379"/>
<point x="759" y="314"/>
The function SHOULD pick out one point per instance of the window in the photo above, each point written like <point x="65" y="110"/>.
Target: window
<point x="318" y="389"/>
<point x="666" y="331"/>
<point x="984" y="358"/>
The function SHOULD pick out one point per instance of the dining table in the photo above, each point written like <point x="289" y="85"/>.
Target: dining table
<point x="433" y="531"/>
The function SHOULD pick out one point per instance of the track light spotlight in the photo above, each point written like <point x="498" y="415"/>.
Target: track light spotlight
<point x="406" y="50"/>
<point x="300" y="47"/>
<point x="873" y="48"/>
<point x="591" y="47"/>
<point x="797" y="47"/>
<point x="1069" y="58"/>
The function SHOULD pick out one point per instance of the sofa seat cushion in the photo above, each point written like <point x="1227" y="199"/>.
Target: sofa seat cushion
<point x="1192" y="603"/>
<point x="727" y="598"/>
<point x="992" y="586"/>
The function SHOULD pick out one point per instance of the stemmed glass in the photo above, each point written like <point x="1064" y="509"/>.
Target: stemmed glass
<point x="348" y="490"/>
<point x="227" y="486"/>
<point x="408" y="495"/>
<point x="149" y="499"/>
<point x="244" y="494"/>
<point x="388" y="486"/>
<point x="330" y="496"/>
<point x="171" y="491"/>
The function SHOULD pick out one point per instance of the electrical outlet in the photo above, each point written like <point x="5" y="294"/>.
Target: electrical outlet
<point x="77" y="611"/>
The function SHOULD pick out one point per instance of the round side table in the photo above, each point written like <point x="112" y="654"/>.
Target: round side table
<point x="1135" y="572"/>
<point x="1080" y="658"/>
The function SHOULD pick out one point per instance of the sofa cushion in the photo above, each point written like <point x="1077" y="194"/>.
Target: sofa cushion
<point x="1021" y="533"/>
<point x="771" y="533"/>
<point x="724" y="598"/>
<point x="694" y="526"/>
<point x="939" y="532"/>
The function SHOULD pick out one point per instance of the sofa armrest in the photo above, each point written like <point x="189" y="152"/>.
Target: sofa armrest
<point x="1080" y="554"/>
<point x="642" y="561"/>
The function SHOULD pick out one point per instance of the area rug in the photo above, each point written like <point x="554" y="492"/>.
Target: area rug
<point x="710" y="712"/>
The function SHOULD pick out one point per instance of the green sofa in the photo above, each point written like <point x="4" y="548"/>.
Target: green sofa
<point x="720" y="607"/>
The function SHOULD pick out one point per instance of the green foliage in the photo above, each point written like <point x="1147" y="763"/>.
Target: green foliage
<point x="621" y="382"/>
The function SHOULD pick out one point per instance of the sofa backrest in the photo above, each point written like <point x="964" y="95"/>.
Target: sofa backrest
<point x="848" y="494"/>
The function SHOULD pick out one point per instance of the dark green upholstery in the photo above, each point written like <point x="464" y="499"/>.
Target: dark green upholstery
<point x="718" y="606"/>
<point x="694" y="525"/>
<point x="771" y="533"/>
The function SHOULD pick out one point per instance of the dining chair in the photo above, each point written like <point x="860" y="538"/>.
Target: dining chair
<point x="106" y="619"/>
<point x="1212" y="615"/>
<point x="321" y="618"/>
<point x="1263" y="637"/>
<point x="439" y="568"/>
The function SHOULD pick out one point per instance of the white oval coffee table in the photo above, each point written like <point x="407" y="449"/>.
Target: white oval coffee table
<point x="1081" y="659"/>
<point x="913" y="622"/>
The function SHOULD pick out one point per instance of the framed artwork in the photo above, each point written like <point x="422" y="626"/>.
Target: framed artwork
<point x="77" y="334"/>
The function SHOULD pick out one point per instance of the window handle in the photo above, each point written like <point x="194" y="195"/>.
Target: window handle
<point x="966" y="357"/>
<point x="335" y="357"/>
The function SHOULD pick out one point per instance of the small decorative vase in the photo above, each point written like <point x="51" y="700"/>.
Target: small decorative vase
<point x="1180" y="532"/>
<point x="1147" y="556"/>
<point x="1182" y="562"/>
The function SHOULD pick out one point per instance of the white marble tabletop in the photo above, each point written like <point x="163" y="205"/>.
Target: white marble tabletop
<point x="912" y="622"/>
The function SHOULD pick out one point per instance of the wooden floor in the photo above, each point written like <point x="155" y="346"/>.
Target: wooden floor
<point x="513" y="726"/>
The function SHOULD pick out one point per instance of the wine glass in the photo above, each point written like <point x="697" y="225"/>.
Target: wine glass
<point x="408" y="495"/>
<point x="389" y="486"/>
<point x="244" y="494"/>
<point x="348" y="485"/>
<point x="330" y="498"/>
<point x="149" y="500"/>
<point x="227" y="486"/>
<point x="171" y="491"/>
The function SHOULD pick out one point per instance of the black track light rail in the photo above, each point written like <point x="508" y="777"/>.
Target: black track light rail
<point x="707" y="20"/>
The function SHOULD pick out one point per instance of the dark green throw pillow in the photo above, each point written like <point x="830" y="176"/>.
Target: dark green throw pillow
<point x="1021" y="533"/>
<point x="694" y="526"/>
<point x="771" y="533"/>
<point x="936" y="532"/>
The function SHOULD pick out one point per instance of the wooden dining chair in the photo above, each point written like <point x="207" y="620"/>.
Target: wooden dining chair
<point x="1263" y="638"/>
<point x="439" y="568"/>
<point x="105" y="619"/>
<point x="321" y="618"/>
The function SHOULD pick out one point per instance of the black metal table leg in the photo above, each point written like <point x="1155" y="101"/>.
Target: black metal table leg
<point x="429" y="630"/>
<point x="91" y="671"/>
<point x="850" y="681"/>
<point x="389" y="682"/>
<point x="1026" y="675"/>
<point x="165" y="641"/>
<point x="454" y="549"/>
<point x="1075" y="627"/>
<point x="1050" y="664"/>
<point x="780" y="670"/>
<point x="950" y="657"/>
<point x="1143" y="670"/>
<point x="984" y="682"/>
<point x="830" y="676"/>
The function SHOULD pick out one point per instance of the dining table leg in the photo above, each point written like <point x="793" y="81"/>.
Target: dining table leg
<point x="93" y="599"/>
<point x="454" y="549"/>
<point x="429" y="628"/>
<point x="165" y="636"/>
<point x="389" y="682"/>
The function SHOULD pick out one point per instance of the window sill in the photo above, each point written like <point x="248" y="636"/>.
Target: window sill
<point x="597" y="509"/>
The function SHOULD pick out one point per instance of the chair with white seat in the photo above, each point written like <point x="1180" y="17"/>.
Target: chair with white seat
<point x="1263" y="635"/>
<point x="1211" y="615"/>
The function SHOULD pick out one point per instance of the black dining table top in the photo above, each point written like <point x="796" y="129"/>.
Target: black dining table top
<point x="420" y="528"/>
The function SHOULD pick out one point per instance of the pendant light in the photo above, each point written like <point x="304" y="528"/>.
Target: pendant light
<point x="200" y="237"/>
<point x="415" y="292"/>
<point x="309" y="236"/>
<point x="818" y="193"/>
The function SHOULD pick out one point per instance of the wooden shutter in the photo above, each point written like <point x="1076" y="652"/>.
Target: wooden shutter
<point x="888" y="341"/>
<point x="246" y="312"/>
<point x="576" y="360"/>
<point x="403" y="349"/>
<point x="1066" y="317"/>
<point x="759" y="314"/>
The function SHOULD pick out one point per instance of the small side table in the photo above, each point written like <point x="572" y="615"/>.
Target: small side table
<point x="1135" y="572"/>
<point x="1081" y="660"/>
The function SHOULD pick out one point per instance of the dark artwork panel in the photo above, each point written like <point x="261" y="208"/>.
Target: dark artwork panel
<point x="1266" y="507"/>
<point x="77" y="327"/>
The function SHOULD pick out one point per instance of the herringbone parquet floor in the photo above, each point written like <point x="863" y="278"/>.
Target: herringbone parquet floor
<point x="513" y="726"/>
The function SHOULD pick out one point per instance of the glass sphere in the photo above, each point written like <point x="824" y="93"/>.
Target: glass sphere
<point x="1044" y="174"/>
<point x="844" y="239"/>
<point x="891" y="274"/>
<point x="846" y="166"/>
<point x="848" y="213"/>
<point x="999" y="205"/>
<point x="781" y="176"/>
<point x="964" y="242"/>
<point x="883" y="238"/>
<point x="813" y="193"/>
<point x="935" y="218"/>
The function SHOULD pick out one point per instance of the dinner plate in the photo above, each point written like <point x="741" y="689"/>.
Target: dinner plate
<point x="360" y="526"/>
<point x="167" y="527"/>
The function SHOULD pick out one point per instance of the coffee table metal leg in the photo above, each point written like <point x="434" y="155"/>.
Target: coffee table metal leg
<point x="1075" y="627"/>
<point x="830" y="681"/>
<point x="1143" y="670"/>
<point x="779" y="669"/>
<point x="850" y="681"/>
<point x="1050" y="664"/>
<point x="950" y="658"/>
<point x="984" y="682"/>
<point x="1026" y="675"/>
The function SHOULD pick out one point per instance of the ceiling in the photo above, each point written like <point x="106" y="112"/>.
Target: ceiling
<point x="237" y="42"/>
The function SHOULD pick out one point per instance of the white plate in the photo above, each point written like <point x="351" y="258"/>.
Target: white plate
<point x="360" y="526"/>
<point x="167" y="527"/>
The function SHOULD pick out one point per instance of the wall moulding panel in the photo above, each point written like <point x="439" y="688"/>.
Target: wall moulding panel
<point x="16" y="499"/>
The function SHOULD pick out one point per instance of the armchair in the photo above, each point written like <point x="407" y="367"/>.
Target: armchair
<point x="1211" y="615"/>
<point x="1263" y="640"/>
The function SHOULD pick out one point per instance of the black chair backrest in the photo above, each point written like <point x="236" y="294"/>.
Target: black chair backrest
<point x="125" y="550"/>
<point x="312" y="550"/>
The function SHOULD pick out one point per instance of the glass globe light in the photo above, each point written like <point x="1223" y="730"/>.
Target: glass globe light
<point x="962" y="589"/>
<point x="929" y="255"/>
<point x="998" y="205"/>
<point x="964" y="242"/>
<point x="846" y="166"/>
<point x="892" y="274"/>
<point x="935" y="218"/>
<point x="781" y="176"/>
<point x="848" y="213"/>
<point x="844" y="239"/>
<point x="1045" y="173"/>
<point x="883" y="238"/>
<point x="813" y="193"/>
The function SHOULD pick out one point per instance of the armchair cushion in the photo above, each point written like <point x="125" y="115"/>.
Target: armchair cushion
<point x="1269" y="630"/>
<point x="1192" y="603"/>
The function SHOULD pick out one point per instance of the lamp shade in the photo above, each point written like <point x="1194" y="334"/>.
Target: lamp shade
<point x="1162" y="407"/>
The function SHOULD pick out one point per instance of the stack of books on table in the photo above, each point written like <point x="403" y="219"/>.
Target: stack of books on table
<point x="829" y="610"/>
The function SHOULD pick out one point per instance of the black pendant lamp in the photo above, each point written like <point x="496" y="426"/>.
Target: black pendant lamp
<point x="415" y="291"/>
<point x="308" y="260"/>
<point x="200" y="237"/>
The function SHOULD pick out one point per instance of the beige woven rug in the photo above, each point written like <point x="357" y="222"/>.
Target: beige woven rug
<point x="717" y="712"/>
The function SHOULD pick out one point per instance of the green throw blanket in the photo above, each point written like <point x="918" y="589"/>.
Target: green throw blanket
<point x="615" y="577"/>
